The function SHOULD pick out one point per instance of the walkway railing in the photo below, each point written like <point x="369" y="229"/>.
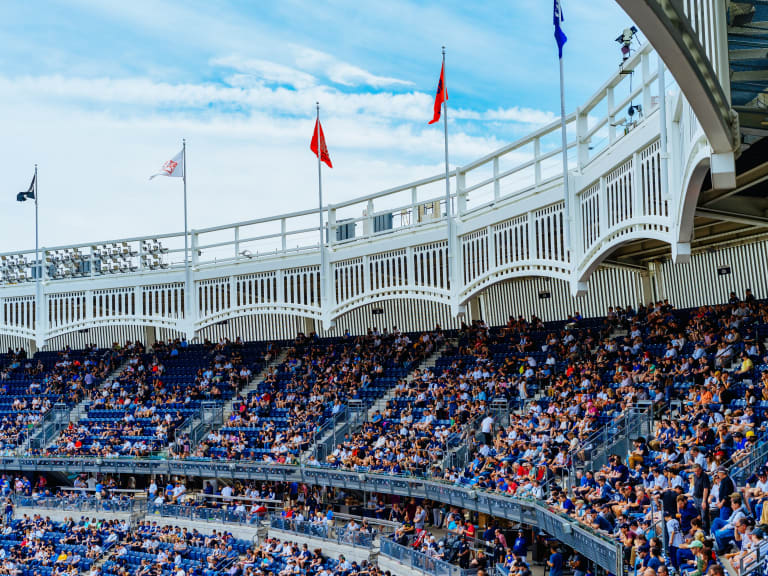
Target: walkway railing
<point x="80" y="504"/>
<point x="204" y="514"/>
<point x="615" y="437"/>
<point x="325" y="532"/>
<point x="422" y="562"/>
<point x="596" y="546"/>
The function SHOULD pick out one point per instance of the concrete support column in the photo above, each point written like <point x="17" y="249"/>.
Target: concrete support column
<point x="308" y="326"/>
<point x="150" y="336"/>
<point x="474" y="307"/>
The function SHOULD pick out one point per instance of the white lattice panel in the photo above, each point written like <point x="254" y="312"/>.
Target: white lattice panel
<point x="474" y="255"/>
<point x="589" y="201"/>
<point x="618" y="193"/>
<point x="256" y="289"/>
<point x="164" y="300"/>
<point x="301" y="287"/>
<point x="512" y="241"/>
<point x="550" y="233"/>
<point x="430" y="265"/>
<point x="18" y="312"/>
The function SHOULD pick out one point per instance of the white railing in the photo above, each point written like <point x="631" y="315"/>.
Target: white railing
<point x="508" y="221"/>
<point x="520" y="168"/>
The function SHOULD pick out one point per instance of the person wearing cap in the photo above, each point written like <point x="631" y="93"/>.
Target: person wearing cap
<point x="725" y="490"/>
<point x="698" y="562"/>
<point x="723" y="530"/>
<point x="675" y="536"/>
<point x="757" y="493"/>
<point x="641" y="560"/>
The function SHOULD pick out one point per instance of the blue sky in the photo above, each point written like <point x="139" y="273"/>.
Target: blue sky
<point x="101" y="93"/>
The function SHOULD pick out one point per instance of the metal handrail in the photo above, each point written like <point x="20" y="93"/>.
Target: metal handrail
<point x="340" y="535"/>
<point x="420" y="561"/>
<point x="598" y="547"/>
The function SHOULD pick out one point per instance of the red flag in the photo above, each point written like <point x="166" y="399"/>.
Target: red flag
<point x="323" y="148"/>
<point x="441" y="95"/>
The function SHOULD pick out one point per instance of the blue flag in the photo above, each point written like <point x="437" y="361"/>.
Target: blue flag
<point x="560" y="36"/>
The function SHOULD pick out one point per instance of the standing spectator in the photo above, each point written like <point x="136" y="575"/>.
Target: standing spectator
<point x="702" y="487"/>
<point x="555" y="561"/>
<point x="8" y="511"/>
<point x="486" y="427"/>
<point x="675" y="536"/>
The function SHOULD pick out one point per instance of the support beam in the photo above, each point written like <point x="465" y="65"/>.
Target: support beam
<point x="722" y="168"/>
<point x="578" y="289"/>
<point x="309" y="326"/>
<point x="646" y="284"/>
<point x="735" y="217"/>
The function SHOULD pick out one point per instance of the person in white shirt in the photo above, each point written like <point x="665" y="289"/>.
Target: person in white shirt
<point x="486" y="427"/>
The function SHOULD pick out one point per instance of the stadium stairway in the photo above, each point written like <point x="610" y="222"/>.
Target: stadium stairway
<point x="255" y="381"/>
<point x="354" y="419"/>
<point x="46" y="436"/>
<point x="198" y="429"/>
<point x="427" y="364"/>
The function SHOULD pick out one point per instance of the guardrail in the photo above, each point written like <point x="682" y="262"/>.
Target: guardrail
<point x="596" y="546"/>
<point x="332" y="533"/>
<point x="422" y="562"/>
<point x="616" y="436"/>
<point x="205" y="514"/>
<point x="80" y="504"/>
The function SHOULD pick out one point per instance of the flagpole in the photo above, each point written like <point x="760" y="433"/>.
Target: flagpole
<point x="184" y="178"/>
<point x="566" y="206"/>
<point x="38" y="268"/>
<point x="448" y="211"/>
<point x="320" y="209"/>
<point x="187" y="278"/>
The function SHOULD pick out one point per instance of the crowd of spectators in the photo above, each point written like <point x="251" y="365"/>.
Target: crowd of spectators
<point x="704" y="370"/>
<point x="150" y="549"/>
<point x="29" y="387"/>
<point x="279" y="558"/>
<point x="37" y="545"/>
<point x="137" y="412"/>
<point x="685" y="494"/>
<point x="277" y="421"/>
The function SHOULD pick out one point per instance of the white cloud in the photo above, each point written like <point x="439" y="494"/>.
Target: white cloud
<point x="513" y="114"/>
<point x="342" y="73"/>
<point x="138" y="95"/>
<point x="266" y="71"/>
<point x="98" y="139"/>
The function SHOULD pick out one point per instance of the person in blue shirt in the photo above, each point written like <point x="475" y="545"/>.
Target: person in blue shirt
<point x="520" y="547"/>
<point x="555" y="562"/>
<point x="602" y="519"/>
<point x="655" y="561"/>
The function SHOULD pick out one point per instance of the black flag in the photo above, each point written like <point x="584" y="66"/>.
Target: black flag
<point x="22" y="196"/>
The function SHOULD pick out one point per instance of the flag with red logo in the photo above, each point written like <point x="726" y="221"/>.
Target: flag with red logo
<point x="318" y="133"/>
<point x="173" y="167"/>
<point x="441" y="95"/>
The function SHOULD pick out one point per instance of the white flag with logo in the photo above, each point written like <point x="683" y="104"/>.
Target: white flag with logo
<point x="174" y="167"/>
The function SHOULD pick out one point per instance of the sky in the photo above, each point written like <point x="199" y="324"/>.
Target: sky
<point x="100" y="94"/>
